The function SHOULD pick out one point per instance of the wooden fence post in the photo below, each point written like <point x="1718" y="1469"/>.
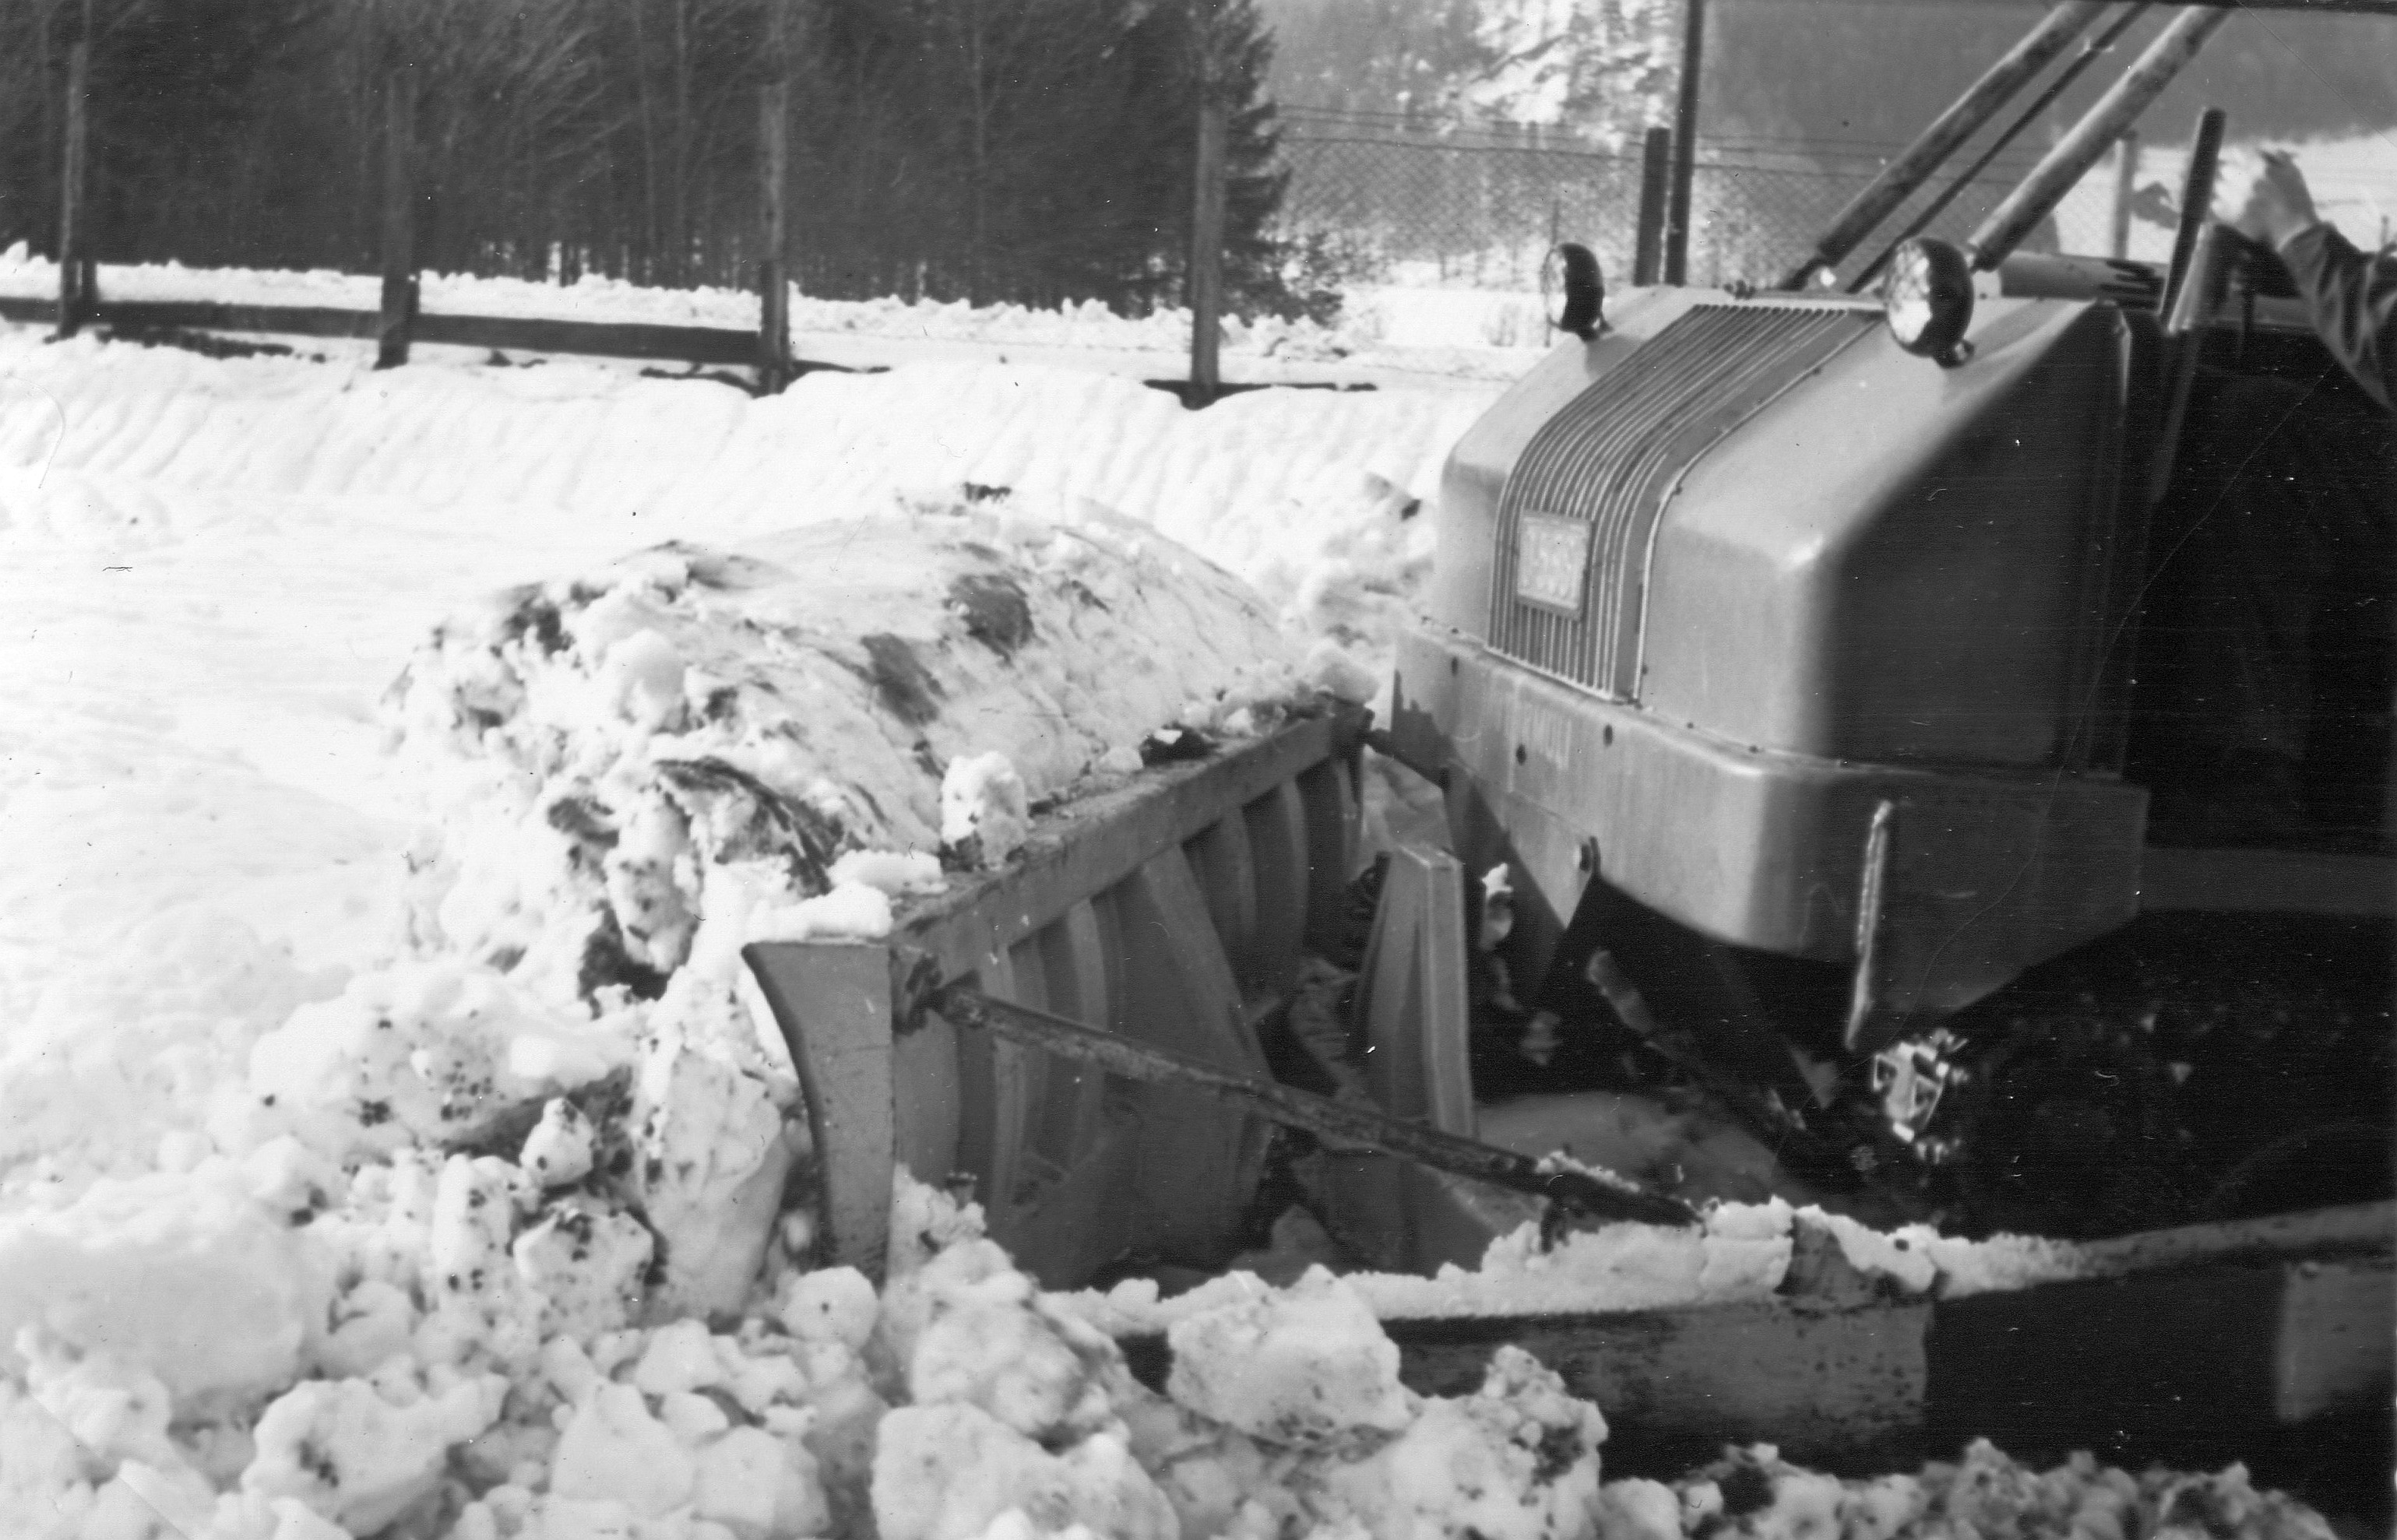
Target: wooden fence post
<point x="76" y="283"/>
<point x="774" y="176"/>
<point x="1207" y="236"/>
<point x="1685" y="142"/>
<point x="1655" y="187"/>
<point x="398" y="324"/>
<point x="2126" y="173"/>
<point x="773" y="269"/>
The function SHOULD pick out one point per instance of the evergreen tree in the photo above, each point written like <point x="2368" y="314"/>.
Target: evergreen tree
<point x="1028" y="150"/>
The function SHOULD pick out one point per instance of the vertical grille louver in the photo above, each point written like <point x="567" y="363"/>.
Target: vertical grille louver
<point x="1610" y="459"/>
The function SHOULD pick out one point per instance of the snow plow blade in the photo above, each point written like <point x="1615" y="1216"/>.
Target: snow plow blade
<point x="1174" y="912"/>
<point x="2193" y="1346"/>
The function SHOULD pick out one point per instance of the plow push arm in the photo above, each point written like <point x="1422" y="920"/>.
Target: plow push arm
<point x="1582" y="1194"/>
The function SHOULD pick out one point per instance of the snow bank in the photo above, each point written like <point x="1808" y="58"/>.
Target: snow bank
<point x="963" y="1403"/>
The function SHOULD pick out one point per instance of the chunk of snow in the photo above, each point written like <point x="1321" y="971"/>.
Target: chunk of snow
<point x="1637" y="1510"/>
<point x="614" y="1449"/>
<point x="1516" y="1460"/>
<point x="183" y="1273"/>
<point x="853" y="911"/>
<point x="477" y="1292"/>
<point x="984" y="799"/>
<point x="948" y="1472"/>
<point x="587" y="1265"/>
<point x="680" y="1357"/>
<point x="712" y="1158"/>
<point x="430" y="1052"/>
<point x="989" y="1341"/>
<point x="356" y="1456"/>
<point x="643" y="676"/>
<point x="829" y="1305"/>
<point x="557" y="1152"/>
<point x="1330" y="668"/>
<point x="898" y="873"/>
<point x="1301" y="1366"/>
<point x="760" y="1487"/>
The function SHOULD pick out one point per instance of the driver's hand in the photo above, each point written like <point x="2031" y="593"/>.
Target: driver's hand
<point x="2275" y="205"/>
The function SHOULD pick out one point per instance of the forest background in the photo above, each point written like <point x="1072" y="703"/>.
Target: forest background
<point x="1034" y="151"/>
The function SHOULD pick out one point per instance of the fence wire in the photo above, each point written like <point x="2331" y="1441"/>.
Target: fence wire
<point x="1481" y="206"/>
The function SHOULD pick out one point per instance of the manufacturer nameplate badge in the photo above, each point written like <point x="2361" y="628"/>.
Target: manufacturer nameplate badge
<point x="1552" y="562"/>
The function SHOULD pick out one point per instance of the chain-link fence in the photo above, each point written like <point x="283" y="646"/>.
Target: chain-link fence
<point x="1481" y="205"/>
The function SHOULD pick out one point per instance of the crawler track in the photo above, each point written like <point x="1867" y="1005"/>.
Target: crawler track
<point x="2192" y="1067"/>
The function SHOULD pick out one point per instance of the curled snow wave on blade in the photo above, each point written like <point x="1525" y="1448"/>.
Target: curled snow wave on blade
<point x="619" y="738"/>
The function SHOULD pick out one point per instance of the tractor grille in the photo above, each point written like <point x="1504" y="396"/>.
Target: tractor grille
<point x="1580" y="508"/>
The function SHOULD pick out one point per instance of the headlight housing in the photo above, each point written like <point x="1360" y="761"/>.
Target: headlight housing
<point x="1574" y="291"/>
<point x="1927" y="298"/>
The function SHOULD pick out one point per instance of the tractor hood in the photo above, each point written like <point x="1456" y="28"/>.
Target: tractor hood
<point x="1762" y="520"/>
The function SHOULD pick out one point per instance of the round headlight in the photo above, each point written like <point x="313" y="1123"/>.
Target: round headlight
<point x="1927" y="298"/>
<point x="1576" y="292"/>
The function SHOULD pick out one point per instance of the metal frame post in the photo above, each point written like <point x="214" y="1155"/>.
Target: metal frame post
<point x="1655" y="187"/>
<point x="2126" y="177"/>
<point x="1685" y="142"/>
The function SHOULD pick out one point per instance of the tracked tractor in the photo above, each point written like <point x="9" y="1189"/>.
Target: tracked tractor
<point x="1823" y="661"/>
<point x="1806" y="670"/>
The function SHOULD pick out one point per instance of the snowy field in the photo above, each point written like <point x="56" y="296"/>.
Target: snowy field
<point x="351" y="716"/>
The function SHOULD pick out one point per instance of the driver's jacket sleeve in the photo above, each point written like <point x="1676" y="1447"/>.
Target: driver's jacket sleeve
<point x="2352" y="298"/>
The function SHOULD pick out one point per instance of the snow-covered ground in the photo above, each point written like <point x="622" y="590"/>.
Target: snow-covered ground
<point x="371" y="737"/>
<point x="216" y="569"/>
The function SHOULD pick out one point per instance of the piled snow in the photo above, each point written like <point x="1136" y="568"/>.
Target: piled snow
<point x="663" y="761"/>
<point x="657" y="763"/>
<point x="961" y="1403"/>
<point x="1282" y="1416"/>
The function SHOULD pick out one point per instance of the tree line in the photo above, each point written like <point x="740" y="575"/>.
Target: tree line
<point x="1034" y="151"/>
